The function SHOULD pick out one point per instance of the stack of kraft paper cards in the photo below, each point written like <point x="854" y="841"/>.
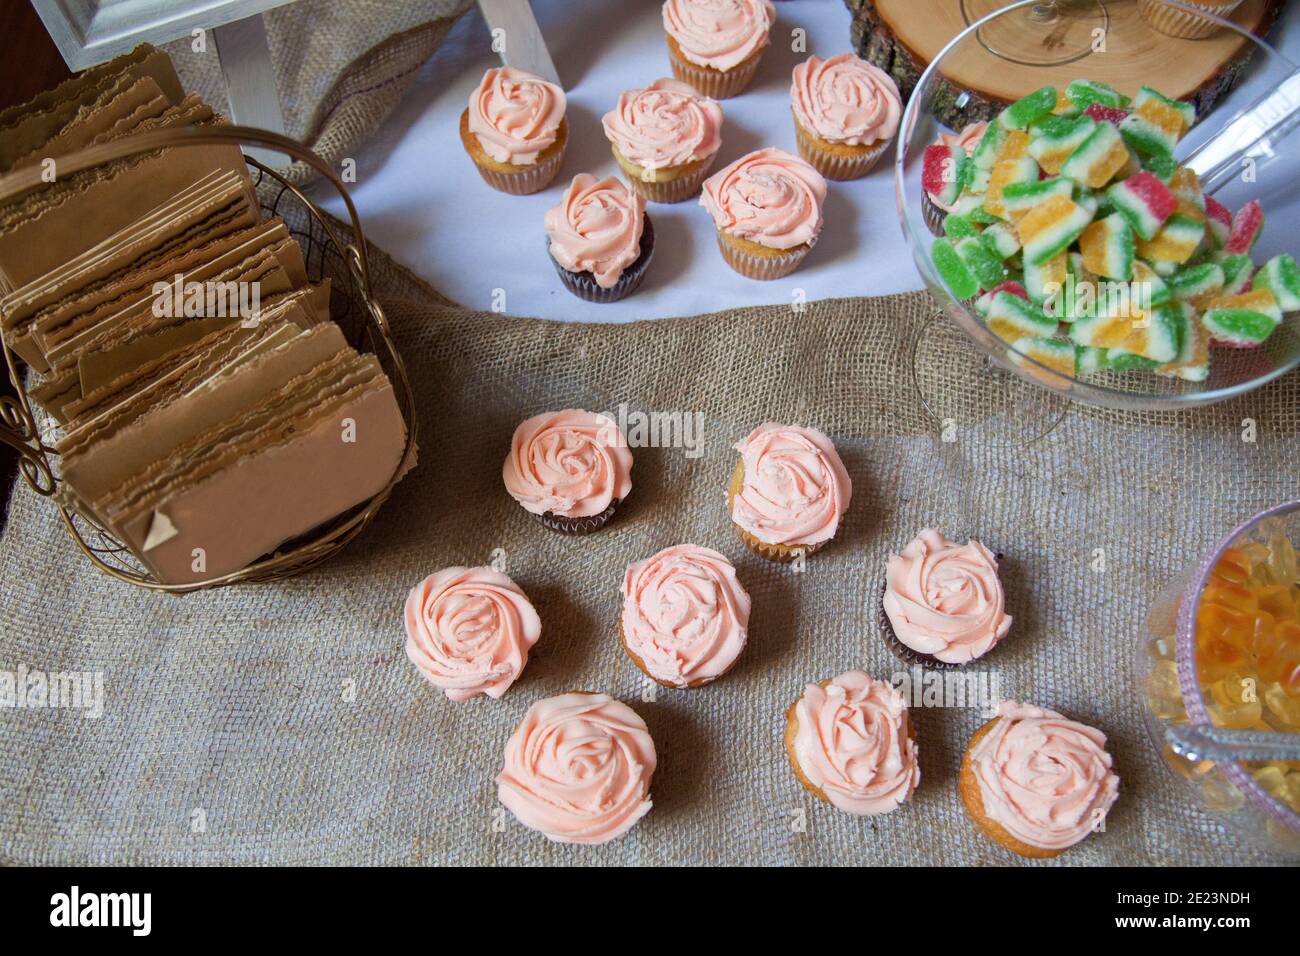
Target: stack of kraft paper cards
<point x="207" y="408"/>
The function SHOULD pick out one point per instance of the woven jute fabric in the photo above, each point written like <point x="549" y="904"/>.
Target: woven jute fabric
<point x="340" y="66"/>
<point x="282" y="723"/>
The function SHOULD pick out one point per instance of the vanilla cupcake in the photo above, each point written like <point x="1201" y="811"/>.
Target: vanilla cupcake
<point x="943" y="603"/>
<point x="665" y="138"/>
<point x="1186" y="24"/>
<point x="716" y="45"/>
<point x="846" y="111"/>
<point x="788" y="492"/>
<point x="685" y="616"/>
<point x="600" y="238"/>
<point x="1035" y="782"/>
<point x="578" y="768"/>
<point x="569" y="469"/>
<point x="933" y="206"/>
<point x="514" y="130"/>
<point x="469" y="630"/>
<point x="850" y="742"/>
<point x="767" y="207"/>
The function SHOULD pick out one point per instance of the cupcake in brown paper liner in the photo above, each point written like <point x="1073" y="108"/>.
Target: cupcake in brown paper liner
<point x="788" y="492"/>
<point x="714" y="47"/>
<point x="514" y="130"/>
<point x="665" y="138"/>
<point x="767" y="207"/>
<point x="1185" y="24"/>
<point x="943" y="604"/>
<point x="600" y="238"/>
<point x="846" y="113"/>
<point x="570" y="469"/>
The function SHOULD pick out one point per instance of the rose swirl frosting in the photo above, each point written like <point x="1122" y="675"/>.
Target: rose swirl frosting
<point x="1045" y="779"/>
<point x="665" y="124"/>
<point x="572" y="463"/>
<point x="719" y="33"/>
<point x="469" y="630"/>
<point x="578" y="768"/>
<point x="515" y="115"/>
<point x="684" y="614"/>
<point x="597" y="227"/>
<point x="769" y="197"/>
<point x="796" y="488"/>
<point x="853" y="742"/>
<point x="845" y="100"/>
<point x="945" y="599"/>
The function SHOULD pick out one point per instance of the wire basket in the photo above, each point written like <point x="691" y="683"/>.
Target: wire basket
<point x="327" y="254"/>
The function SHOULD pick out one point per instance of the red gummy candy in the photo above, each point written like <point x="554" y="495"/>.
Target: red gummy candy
<point x="1218" y="211"/>
<point x="1105" y="114"/>
<point x="1246" y="226"/>
<point x="1155" y="195"/>
<point x="1015" y="288"/>
<point x="935" y="163"/>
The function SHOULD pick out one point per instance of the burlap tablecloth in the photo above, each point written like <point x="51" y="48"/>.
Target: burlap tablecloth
<point x="282" y="723"/>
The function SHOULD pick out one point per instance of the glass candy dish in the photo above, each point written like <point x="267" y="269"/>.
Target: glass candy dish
<point x="1238" y="147"/>
<point x="1222" y="649"/>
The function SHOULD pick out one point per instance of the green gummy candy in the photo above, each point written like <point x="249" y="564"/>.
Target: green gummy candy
<point x="984" y="264"/>
<point x="1083" y="93"/>
<point x="1162" y="167"/>
<point x="986" y="153"/>
<point x="1281" y="276"/>
<point x="953" y="270"/>
<point x="1123" y="361"/>
<point x="1027" y="109"/>
<point x="958" y="227"/>
<point x="1002" y="239"/>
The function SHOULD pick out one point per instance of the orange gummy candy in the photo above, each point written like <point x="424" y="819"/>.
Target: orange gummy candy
<point x="1276" y="599"/>
<point x="1231" y="594"/>
<point x="1233" y="566"/>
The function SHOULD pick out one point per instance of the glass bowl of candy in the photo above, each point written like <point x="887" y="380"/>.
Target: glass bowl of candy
<point x="1223" y="649"/>
<point x="1117" y="224"/>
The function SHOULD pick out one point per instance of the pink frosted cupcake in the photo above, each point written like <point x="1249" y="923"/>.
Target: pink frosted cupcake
<point x="789" y="491"/>
<point x="685" y="616"/>
<point x="716" y="45"/>
<point x="850" y="742"/>
<point x="846" y="111"/>
<point x="600" y="238"/>
<point x="933" y="206"/>
<point x="578" y="768"/>
<point x="569" y="469"/>
<point x="767" y="207"/>
<point x="665" y="139"/>
<point x="469" y="630"/>
<point x="1036" y="782"/>
<point x="943" y="603"/>
<point x="514" y="130"/>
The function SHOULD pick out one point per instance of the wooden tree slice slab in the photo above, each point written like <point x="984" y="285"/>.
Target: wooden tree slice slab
<point x="902" y="36"/>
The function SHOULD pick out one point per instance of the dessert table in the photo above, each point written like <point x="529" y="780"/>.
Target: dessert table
<point x="421" y="200"/>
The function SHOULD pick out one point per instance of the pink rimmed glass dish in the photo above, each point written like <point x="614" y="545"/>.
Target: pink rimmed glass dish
<point x="1172" y="694"/>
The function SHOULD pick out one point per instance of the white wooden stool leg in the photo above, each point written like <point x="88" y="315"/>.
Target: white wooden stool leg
<point x="250" y="81"/>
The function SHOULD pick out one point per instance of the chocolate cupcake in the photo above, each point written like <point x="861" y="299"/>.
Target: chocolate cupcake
<point x="600" y="238"/>
<point x="943" y="604"/>
<point x="569" y="469"/>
